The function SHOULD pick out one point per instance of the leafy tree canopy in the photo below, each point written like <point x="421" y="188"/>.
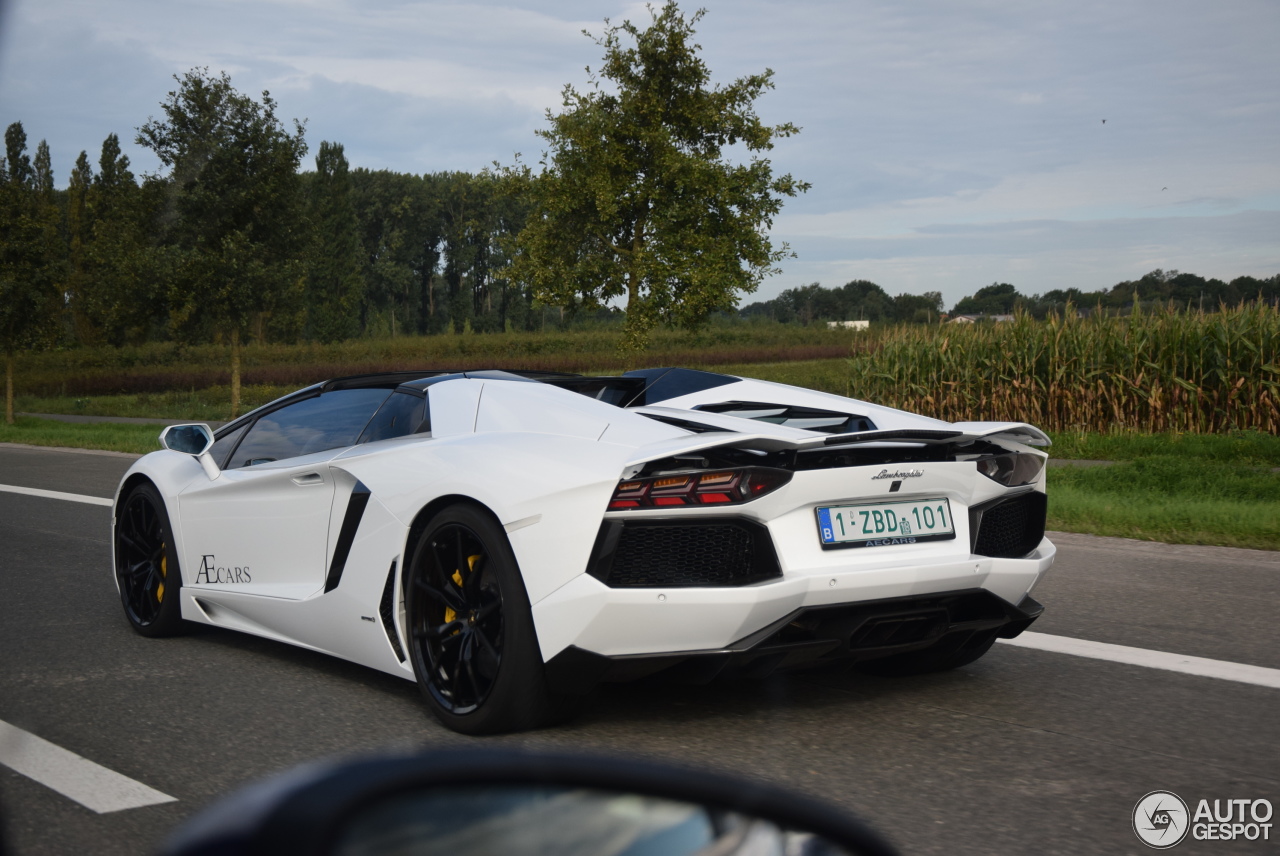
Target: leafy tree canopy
<point x="31" y="258"/>
<point x="999" y="298"/>
<point x="234" y="221"/>
<point x="636" y="197"/>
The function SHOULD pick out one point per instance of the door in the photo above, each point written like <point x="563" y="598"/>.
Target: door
<point x="262" y="526"/>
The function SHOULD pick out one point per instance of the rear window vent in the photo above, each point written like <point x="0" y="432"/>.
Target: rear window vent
<point x="806" y="418"/>
<point x="686" y="424"/>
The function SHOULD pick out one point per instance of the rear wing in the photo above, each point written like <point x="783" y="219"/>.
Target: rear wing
<point x="764" y="445"/>
<point x="960" y="432"/>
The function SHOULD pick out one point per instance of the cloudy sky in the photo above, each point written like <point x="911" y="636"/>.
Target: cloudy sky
<point x="950" y="144"/>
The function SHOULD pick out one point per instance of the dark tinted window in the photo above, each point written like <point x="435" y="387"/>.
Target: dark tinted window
<point x="328" y="421"/>
<point x="673" y="383"/>
<point x="399" y="415"/>
<point x="224" y="444"/>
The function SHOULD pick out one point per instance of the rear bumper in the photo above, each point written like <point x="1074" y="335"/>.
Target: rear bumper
<point x="812" y="636"/>
<point x="618" y="622"/>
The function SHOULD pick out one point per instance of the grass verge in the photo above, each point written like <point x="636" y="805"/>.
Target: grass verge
<point x="111" y="436"/>
<point x="1182" y="489"/>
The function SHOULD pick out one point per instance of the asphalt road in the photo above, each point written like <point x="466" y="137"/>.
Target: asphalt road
<point x="1024" y="751"/>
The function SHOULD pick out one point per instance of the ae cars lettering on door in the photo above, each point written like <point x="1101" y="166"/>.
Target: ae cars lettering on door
<point x="211" y="572"/>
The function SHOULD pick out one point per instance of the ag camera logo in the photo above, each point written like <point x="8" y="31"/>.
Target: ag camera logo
<point x="1160" y="819"/>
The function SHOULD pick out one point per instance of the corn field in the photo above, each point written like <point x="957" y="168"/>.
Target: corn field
<point x="1151" y="372"/>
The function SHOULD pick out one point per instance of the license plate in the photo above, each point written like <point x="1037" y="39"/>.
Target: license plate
<point x="880" y="524"/>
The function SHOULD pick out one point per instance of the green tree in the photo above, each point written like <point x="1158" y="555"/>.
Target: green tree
<point x="998" y="298"/>
<point x="30" y="257"/>
<point x="79" y="236"/>
<point x="636" y="197"/>
<point x="335" y="281"/>
<point x="234" y="210"/>
<point x="127" y="295"/>
<point x="388" y="208"/>
<point x="918" y="308"/>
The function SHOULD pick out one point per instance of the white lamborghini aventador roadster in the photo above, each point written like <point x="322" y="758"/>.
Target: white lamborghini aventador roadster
<point x="508" y="540"/>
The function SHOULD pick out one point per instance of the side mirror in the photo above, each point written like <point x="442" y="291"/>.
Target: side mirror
<point x="195" y="439"/>
<point x="479" y="802"/>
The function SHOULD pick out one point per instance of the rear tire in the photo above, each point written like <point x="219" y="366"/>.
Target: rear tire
<point x="471" y="635"/>
<point x="146" y="560"/>
<point x="941" y="657"/>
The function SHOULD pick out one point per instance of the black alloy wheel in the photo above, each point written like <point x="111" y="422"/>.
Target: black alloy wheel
<point x="472" y="642"/>
<point x="458" y="628"/>
<point x="147" y="570"/>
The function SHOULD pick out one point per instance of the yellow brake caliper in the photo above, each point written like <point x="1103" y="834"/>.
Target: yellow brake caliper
<point x="449" y="614"/>
<point x="164" y="572"/>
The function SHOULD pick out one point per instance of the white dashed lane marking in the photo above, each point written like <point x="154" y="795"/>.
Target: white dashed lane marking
<point x="92" y="785"/>
<point x="56" y="494"/>
<point x="1199" y="666"/>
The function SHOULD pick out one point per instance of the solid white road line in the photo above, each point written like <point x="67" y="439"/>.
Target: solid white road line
<point x="1200" y="666"/>
<point x="92" y="785"/>
<point x="56" y="494"/>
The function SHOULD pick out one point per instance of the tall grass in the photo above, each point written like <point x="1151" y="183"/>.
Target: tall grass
<point x="1154" y="372"/>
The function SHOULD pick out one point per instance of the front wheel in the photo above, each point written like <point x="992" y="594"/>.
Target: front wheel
<point x="472" y="640"/>
<point x="147" y="569"/>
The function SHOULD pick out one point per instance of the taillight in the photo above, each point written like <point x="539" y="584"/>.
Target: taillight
<point x="1013" y="469"/>
<point x="718" y="487"/>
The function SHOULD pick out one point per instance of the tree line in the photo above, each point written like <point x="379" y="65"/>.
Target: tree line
<point x="864" y="300"/>
<point x="1186" y="291"/>
<point x="374" y="252"/>
<point x="634" y="200"/>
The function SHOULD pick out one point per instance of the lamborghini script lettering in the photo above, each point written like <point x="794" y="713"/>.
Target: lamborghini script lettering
<point x="899" y="474"/>
<point x="210" y="572"/>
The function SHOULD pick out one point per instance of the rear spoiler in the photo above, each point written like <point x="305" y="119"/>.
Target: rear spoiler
<point x="959" y="432"/>
<point x="962" y="432"/>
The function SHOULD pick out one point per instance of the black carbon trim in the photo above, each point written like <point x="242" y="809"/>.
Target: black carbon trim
<point x="385" y="612"/>
<point x="347" y="535"/>
<point x="909" y="435"/>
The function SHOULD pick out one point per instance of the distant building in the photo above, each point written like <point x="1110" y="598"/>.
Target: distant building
<point x="850" y="325"/>
<point x="970" y="319"/>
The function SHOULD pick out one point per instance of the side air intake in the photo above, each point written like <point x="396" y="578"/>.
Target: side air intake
<point x="1009" y="528"/>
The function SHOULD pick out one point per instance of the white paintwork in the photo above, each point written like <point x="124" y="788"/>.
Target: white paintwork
<point x="280" y="515"/>
<point x="545" y="462"/>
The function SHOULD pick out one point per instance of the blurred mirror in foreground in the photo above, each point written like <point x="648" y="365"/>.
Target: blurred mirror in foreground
<point x="505" y="802"/>
<point x="538" y="821"/>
